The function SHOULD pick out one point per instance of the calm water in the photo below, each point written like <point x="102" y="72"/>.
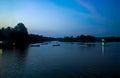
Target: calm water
<point x="69" y="60"/>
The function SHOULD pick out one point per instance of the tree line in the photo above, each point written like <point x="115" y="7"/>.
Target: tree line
<point x="81" y="38"/>
<point x="88" y="38"/>
<point x="19" y="35"/>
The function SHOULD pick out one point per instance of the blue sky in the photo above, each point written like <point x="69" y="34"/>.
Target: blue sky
<point x="58" y="18"/>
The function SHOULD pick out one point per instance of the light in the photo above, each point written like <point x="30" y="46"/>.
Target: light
<point x="103" y="43"/>
<point x="13" y="44"/>
<point x="1" y="42"/>
<point x="103" y="40"/>
<point x="1" y="52"/>
<point x="103" y="50"/>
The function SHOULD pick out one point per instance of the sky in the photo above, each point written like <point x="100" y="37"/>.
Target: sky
<point x="57" y="18"/>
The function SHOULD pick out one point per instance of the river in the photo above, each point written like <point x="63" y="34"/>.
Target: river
<point x="69" y="60"/>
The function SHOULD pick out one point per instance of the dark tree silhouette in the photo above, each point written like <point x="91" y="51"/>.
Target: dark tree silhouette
<point x="17" y="35"/>
<point x="81" y="38"/>
<point x="33" y="38"/>
<point x="21" y="29"/>
<point x="20" y="34"/>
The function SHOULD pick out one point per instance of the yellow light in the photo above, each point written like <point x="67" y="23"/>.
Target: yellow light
<point x="13" y="44"/>
<point x="1" y="42"/>
<point x="103" y="40"/>
<point x="1" y="52"/>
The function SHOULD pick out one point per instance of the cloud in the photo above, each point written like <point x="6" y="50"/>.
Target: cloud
<point x="87" y="6"/>
<point x="93" y="13"/>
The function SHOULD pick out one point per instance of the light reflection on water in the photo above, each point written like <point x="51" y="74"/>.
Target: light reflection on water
<point x="103" y="49"/>
<point x="1" y="52"/>
<point x="69" y="60"/>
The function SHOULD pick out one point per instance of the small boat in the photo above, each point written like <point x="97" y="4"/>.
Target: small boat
<point x="56" y="45"/>
<point x="35" y="46"/>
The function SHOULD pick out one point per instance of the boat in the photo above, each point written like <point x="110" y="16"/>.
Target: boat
<point x="35" y="46"/>
<point x="56" y="45"/>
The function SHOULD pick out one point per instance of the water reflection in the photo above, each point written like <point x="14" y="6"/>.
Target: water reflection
<point x="14" y="48"/>
<point x="12" y="62"/>
<point x="103" y="49"/>
<point x="1" y="52"/>
<point x="87" y="45"/>
<point x="91" y="45"/>
<point x="66" y="61"/>
<point x="103" y="46"/>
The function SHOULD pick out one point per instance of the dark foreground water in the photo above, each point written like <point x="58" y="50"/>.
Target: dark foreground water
<point x="69" y="60"/>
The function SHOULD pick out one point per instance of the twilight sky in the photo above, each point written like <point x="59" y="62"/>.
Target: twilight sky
<point x="58" y="18"/>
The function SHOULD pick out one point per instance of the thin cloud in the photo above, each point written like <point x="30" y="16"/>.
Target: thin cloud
<point x="91" y="9"/>
<point x="87" y="6"/>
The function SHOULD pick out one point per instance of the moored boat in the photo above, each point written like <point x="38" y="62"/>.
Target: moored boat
<point x="56" y="45"/>
<point x="35" y="46"/>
